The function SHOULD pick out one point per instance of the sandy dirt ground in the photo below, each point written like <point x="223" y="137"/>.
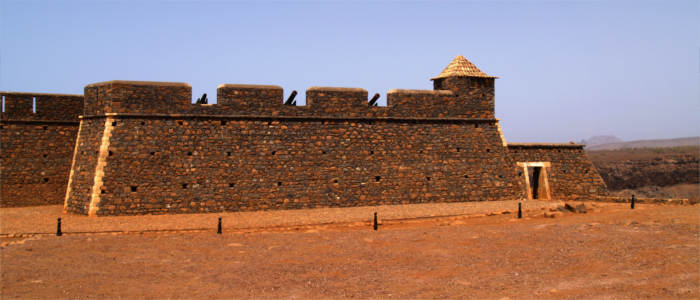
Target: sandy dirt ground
<point x="609" y="252"/>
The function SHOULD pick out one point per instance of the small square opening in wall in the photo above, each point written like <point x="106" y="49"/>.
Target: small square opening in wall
<point x="46" y="127"/>
<point x="143" y="123"/>
<point x="476" y="125"/>
<point x="459" y="149"/>
<point x="231" y="185"/>
<point x="273" y="152"/>
<point x="189" y="153"/>
<point x="488" y="150"/>
<point x="184" y="185"/>
<point x="377" y="178"/>
<point x="466" y="176"/>
<point x="223" y="123"/>
<point x="45" y="156"/>
<point x="371" y="152"/>
<point x="111" y="153"/>
<point x="228" y="153"/>
<point x="427" y="178"/>
<point x="153" y="153"/>
<point x="133" y="188"/>
<point x="44" y="180"/>
<point x="114" y="123"/>
<point x="179" y="123"/>
<point x="279" y="183"/>
<point x="103" y="191"/>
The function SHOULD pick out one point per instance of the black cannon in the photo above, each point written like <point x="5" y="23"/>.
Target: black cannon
<point x="202" y="100"/>
<point x="290" y="100"/>
<point x="373" y="101"/>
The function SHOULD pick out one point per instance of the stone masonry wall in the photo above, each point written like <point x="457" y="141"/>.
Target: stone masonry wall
<point x="180" y="164"/>
<point x="571" y="174"/>
<point x="83" y="170"/>
<point x="144" y="148"/>
<point x="474" y="97"/>
<point x="267" y="100"/>
<point x="36" y="147"/>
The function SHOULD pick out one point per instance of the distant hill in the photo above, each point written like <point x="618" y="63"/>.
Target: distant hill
<point x="601" y="139"/>
<point x="661" y="143"/>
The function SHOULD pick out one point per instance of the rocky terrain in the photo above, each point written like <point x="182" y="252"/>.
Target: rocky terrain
<point x="651" y="172"/>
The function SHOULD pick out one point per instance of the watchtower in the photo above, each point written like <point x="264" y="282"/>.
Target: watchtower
<point x="473" y="88"/>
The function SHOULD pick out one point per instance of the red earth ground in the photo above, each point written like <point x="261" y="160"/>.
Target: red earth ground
<point x="609" y="252"/>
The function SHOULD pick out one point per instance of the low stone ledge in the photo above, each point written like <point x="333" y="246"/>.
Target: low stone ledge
<point x="139" y="83"/>
<point x="248" y="86"/>
<point x="272" y="117"/>
<point x="420" y="92"/>
<point x="334" y="89"/>
<point x="4" y="93"/>
<point x="39" y="121"/>
<point x="544" y="145"/>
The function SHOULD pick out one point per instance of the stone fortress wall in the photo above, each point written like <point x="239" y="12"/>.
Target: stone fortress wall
<point x="143" y="147"/>
<point x="37" y="138"/>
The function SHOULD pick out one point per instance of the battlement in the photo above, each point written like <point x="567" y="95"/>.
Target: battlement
<point x="145" y="97"/>
<point x="41" y="106"/>
<point x="136" y="96"/>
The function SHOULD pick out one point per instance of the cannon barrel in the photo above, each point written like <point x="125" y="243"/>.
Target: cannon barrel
<point x="373" y="101"/>
<point x="202" y="100"/>
<point x="290" y="100"/>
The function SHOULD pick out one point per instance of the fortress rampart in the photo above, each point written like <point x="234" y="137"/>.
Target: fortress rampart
<point x="154" y="98"/>
<point x="143" y="147"/>
<point x="37" y="137"/>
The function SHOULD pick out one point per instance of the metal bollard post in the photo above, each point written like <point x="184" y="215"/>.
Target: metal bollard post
<point x="58" y="228"/>
<point x="632" y="202"/>
<point x="375" y="221"/>
<point x="520" y="210"/>
<point x="218" y="230"/>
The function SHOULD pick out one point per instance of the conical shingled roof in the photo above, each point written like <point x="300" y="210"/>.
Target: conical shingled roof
<point x="461" y="67"/>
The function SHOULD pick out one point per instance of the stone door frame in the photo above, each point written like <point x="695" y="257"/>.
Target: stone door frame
<point x="544" y="167"/>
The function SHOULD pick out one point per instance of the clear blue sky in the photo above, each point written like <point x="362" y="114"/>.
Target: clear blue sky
<point x="568" y="70"/>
